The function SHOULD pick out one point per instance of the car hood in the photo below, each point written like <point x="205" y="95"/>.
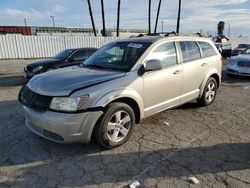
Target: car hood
<point x="43" y="62"/>
<point x="242" y="57"/>
<point x="62" y="82"/>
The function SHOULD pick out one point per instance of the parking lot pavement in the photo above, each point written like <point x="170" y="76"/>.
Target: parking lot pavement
<point x="210" y="143"/>
<point x="14" y="66"/>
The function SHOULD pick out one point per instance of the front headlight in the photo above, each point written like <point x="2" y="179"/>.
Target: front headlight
<point x="36" y="69"/>
<point x="232" y="62"/>
<point x="68" y="104"/>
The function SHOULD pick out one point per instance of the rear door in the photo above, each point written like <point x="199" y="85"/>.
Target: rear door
<point x="194" y="69"/>
<point x="162" y="88"/>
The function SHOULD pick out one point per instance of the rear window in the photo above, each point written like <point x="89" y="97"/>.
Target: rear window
<point x="243" y="46"/>
<point x="207" y="49"/>
<point x="190" y="51"/>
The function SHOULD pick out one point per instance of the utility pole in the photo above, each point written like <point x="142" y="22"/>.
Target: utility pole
<point x="25" y="22"/>
<point x="103" y="20"/>
<point x="118" y="18"/>
<point x="91" y="16"/>
<point x="229" y="30"/>
<point x="178" y="18"/>
<point x="53" y="20"/>
<point x="157" y="16"/>
<point x="149" y="16"/>
<point x="162" y="22"/>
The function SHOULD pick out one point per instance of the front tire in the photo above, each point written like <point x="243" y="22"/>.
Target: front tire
<point x="115" y="126"/>
<point x="209" y="93"/>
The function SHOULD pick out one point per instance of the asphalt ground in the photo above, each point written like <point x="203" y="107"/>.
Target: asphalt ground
<point x="211" y="144"/>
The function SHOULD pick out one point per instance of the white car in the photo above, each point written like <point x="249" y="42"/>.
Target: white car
<point x="240" y="64"/>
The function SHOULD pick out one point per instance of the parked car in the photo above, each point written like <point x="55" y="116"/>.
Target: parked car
<point x="240" y="64"/>
<point x="240" y="49"/>
<point x="65" y="58"/>
<point x="225" y="49"/>
<point x="120" y="84"/>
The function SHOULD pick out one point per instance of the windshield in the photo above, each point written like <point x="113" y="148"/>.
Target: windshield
<point x="247" y="51"/>
<point x="63" y="54"/>
<point x="120" y="56"/>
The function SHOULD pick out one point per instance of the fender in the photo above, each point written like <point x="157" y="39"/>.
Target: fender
<point x="207" y="76"/>
<point x="115" y="94"/>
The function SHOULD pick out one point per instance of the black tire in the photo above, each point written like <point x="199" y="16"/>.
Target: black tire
<point x="101" y="132"/>
<point x="204" y="101"/>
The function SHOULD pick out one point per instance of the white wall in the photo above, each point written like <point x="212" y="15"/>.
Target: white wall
<point x="19" y="46"/>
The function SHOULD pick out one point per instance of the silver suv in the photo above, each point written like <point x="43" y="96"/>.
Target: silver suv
<point x="120" y="84"/>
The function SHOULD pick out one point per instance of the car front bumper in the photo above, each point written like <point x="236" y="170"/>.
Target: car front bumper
<point x="28" y="74"/>
<point x="62" y="127"/>
<point x="237" y="72"/>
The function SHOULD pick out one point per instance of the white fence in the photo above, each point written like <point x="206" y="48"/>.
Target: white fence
<point x="18" y="46"/>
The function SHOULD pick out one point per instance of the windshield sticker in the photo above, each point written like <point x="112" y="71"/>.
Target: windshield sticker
<point x="134" y="45"/>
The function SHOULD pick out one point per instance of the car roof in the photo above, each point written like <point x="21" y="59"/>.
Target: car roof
<point x="152" y="39"/>
<point x="74" y="49"/>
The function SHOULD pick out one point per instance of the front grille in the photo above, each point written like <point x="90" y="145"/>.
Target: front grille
<point x="243" y="64"/>
<point x="33" y="100"/>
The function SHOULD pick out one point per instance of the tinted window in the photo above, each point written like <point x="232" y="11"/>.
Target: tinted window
<point x="243" y="46"/>
<point x="90" y="52"/>
<point x="79" y="55"/>
<point x="63" y="54"/>
<point x="166" y="53"/>
<point x="207" y="49"/>
<point x="190" y="51"/>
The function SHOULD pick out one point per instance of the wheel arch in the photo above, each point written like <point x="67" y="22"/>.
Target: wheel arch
<point x="127" y="96"/>
<point x="212" y="73"/>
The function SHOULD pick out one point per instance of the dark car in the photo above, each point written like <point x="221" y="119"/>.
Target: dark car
<point x="240" y="49"/>
<point x="65" y="58"/>
<point x="224" y="49"/>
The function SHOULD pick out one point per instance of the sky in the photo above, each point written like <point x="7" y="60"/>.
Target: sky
<point x="196" y="15"/>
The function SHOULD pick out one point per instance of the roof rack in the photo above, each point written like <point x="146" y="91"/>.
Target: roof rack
<point x="167" y="34"/>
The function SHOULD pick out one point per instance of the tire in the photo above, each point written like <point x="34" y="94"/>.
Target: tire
<point x="112" y="131"/>
<point x="209" y="93"/>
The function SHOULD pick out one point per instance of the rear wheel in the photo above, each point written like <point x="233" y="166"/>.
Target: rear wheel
<point x="209" y="93"/>
<point x="115" y="126"/>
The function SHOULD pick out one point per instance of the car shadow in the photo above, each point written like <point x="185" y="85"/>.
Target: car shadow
<point x="37" y="160"/>
<point x="15" y="80"/>
<point x="234" y="79"/>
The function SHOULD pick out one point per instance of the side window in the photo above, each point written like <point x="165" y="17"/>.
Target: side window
<point x="79" y="55"/>
<point x="190" y="50"/>
<point x="207" y="49"/>
<point x="166" y="53"/>
<point x="89" y="52"/>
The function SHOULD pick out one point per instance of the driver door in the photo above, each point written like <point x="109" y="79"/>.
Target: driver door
<point x="162" y="88"/>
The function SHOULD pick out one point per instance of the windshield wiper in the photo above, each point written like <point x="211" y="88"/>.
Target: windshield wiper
<point x="95" y="66"/>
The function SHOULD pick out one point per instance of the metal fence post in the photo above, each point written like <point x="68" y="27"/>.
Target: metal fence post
<point x="18" y="56"/>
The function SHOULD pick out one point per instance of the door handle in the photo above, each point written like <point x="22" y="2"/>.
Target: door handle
<point x="204" y="64"/>
<point x="177" y="72"/>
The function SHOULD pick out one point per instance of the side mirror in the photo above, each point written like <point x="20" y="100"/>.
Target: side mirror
<point x="153" y="65"/>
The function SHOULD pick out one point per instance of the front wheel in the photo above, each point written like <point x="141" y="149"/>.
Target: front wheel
<point x="209" y="93"/>
<point x="115" y="126"/>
